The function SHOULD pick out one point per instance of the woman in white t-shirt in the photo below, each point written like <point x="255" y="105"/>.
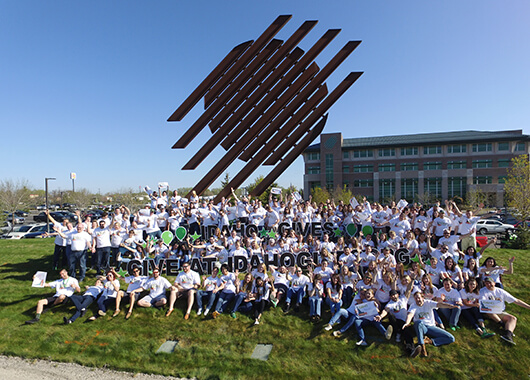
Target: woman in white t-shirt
<point x="334" y="291"/>
<point x="471" y="307"/>
<point x="491" y="269"/>
<point x="260" y="293"/>
<point x="111" y="287"/>
<point x="315" y="291"/>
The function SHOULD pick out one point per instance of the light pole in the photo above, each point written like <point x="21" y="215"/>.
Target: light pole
<point x="47" y="209"/>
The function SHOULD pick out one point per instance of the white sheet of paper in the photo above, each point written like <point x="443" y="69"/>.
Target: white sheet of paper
<point x="39" y="280"/>
<point x="297" y="197"/>
<point x="163" y="184"/>
<point x="366" y="310"/>
<point x="491" y="306"/>
<point x="402" y="203"/>
<point x="276" y="190"/>
<point x="354" y="202"/>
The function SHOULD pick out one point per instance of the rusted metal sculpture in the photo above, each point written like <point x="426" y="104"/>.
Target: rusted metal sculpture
<point x="264" y="104"/>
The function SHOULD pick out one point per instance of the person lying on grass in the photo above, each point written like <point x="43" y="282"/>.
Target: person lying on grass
<point x="82" y="302"/>
<point x="64" y="288"/>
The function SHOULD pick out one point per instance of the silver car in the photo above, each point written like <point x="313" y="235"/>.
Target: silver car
<point x="493" y="226"/>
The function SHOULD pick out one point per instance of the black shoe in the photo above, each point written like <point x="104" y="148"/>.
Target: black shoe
<point x="32" y="321"/>
<point x="508" y="338"/>
<point x="83" y="312"/>
<point x="287" y="307"/>
<point x="66" y="321"/>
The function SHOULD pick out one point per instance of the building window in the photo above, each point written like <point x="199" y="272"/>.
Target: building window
<point x="433" y="187"/>
<point x="363" y="153"/>
<point x="502" y="179"/>
<point x="345" y="155"/>
<point x="432" y="166"/>
<point x="387" y="167"/>
<point x="459" y="148"/>
<point x="345" y="169"/>
<point x="313" y="170"/>
<point x="409" y="188"/>
<point x="520" y="147"/>
<point x="410" y="151"/>
<point x="409" y="166"/>
<point x="329" y="171"/>
<point x="436" y="149"/>
<point x="363" y="168"/>
<point x="313" y="156"/>
<point x="481" y="180"/>
<point x="481" y="164"/>
<point x="387" y="152"/>
<point x="456" y="165"/>
<point x="363" y="183"/>
<point x="503" y="146"/>
<point x="504" y="163"/>
<point x="387" y="189"/>
<point x="484" y="147"/>
<point x="457" y="187"/>
<point x="314" y="185"/>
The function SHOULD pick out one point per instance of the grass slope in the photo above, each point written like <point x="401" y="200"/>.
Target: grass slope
<point x="221" y="348"/>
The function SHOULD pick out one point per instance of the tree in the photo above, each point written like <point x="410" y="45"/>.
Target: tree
<point x="133" y="201"/>
<point x="13" y="195"/>
<point x="342" y="194"/>
<point x="517" y="192"/>
<point x="475" y="197"/>
<point x="320" y="195"/>
<point x="263" y="197"/>
<point x="82" y="198"/>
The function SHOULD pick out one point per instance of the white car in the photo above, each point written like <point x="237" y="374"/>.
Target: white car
<point x="493" y="226"/>
<point x="19" y="232"/>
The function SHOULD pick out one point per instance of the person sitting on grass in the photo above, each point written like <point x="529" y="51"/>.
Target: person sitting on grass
<point x="83" y="302"/>
<point x="365" y="313"/>
<point x="470" y="307"/>
<point x="211" y="287"/>
<point x="244" y="295"/>
<point x="508" y="321"/>
<point x="157" y="286"/>
<point x="421" y="311"/>
<point x="186" y="284"/>
<point x="64" y="288"/>
<point x="260" y="295"/>
<point x="135" y="282"/>
<point x="449" y="295"/>
<point x="111" y="288"/>
<point x="299" y="281"/>
<point x="227" y="290"/>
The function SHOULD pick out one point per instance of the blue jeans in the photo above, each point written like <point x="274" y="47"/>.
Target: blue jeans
<point x="223" y="301"/>
<point x="452" y="315"/>
<point x="241" y="305"/>
<point x="210" y="296"/>
<point x="298" y="295"/>
<point x="359" y="323"/>
<point x="439" y="336"/>
<point x="102" y="258"/>
<point x="80" y="302"/>
<point x="104" y="302"/>
<point x="333" y="306"/>
<point x="78" y="257"/>
<point x="315" y="303"/>
<point x="472" y="315"/>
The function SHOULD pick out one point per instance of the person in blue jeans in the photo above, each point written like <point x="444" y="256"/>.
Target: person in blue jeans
<point x="299" y="281"/>
<point x="227" y="290"/>
<point x="315" y="291"/>
<point x="334" y="293"/>
<point x="421" y="312"/>
<point x="449" y="295"/>
<point x="83" y="302"/>
<point x="209" y="291"/>
<point x="243" y="298"/>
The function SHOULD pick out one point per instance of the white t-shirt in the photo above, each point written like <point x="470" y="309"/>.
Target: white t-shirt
<point x="102" y="236"/>
<point x="470" y="297"/>
<point x="452" y="296"/>
<point x="188" y="280"/>
<point x="93" y="291"/>
<point x="135" y="282"/>
<point x="80" y="240"/>
<point x="229" y="280"/>
<point x="109" y="290"/>
<point x="157" y="286"/>
<point x="497" y="294"/>
<point x="301" y="281"/>
<point x="424" y="313"/>
<point x="398" y="308"/>
<point x="66" y="287"/>
<point x="211" y="282"/>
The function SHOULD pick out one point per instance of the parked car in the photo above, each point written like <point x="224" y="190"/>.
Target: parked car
<point x="58" y="216"/>
<point x="18" y="219"/>
<point x="492" y="226"/>
<point x="520" y="224"/>
<point x="26" y="229"/>
<point x="21" y="213"/>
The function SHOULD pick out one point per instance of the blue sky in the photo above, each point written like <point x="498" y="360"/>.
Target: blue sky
<point x="87" y="87"/>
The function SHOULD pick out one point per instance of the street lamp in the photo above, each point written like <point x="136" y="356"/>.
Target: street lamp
<point x="47" y="210"/>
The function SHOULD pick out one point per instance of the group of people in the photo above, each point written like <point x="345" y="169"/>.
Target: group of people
<point x="357" y="277"/>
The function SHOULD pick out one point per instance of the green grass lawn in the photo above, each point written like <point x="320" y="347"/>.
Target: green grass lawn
<point x="221" y="348"/>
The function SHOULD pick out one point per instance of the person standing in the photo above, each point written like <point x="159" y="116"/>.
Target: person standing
<point x="101" y="246"/>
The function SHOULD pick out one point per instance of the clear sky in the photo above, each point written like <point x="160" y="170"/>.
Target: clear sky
<point x="87" y="86"/>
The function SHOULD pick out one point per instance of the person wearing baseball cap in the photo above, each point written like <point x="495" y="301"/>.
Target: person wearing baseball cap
<point x="508" y="321"/>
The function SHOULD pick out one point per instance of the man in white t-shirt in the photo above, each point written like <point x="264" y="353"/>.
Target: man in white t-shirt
<point x="101" y="246"/>
<point x="157" y="286"/>
<point x="80" y="242"/>
<point x="64" y="287"/>
<point x="490" y="292"/>
<point x="186" y="283"/>
<point x="424" y="324"/>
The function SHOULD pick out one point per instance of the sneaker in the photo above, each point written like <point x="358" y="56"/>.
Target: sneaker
<point x="199" y="312"/>
<point x="83" y="312"/>
<point x="398" y="337"/>
<point x="328" y="327"/>
<point x="256" y="322"/>
<point x="274" y="302"/>
<point x="416" y="351"/>
<point x="388" y="333"/>
<point x="508" y="338"/>
<point x="287" y="307"/>
<point x="479" y="331"/>
<point x="453" y="328"/>
<point x="362" y="343"/>
<point x="337" y="334"/>
<point x="486" y="334"/>
<point x="102" y="313"/>
<point x="32" y="321"/>
<point x="66" y="321"/>
<point x="233" y="315"/>
<point x="215" y="314"/>
<point x="206" y="312"/>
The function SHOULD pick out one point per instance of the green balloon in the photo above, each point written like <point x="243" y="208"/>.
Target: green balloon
<point x="368" y="230"/>
<point x="181" y="233"/>
<point x="351" y="229"/>
<point x="167" y="236"/>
